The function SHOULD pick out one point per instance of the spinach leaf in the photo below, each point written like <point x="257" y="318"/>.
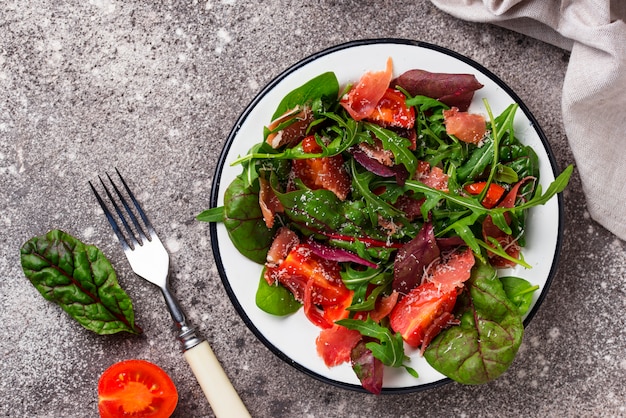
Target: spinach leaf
<point x="484" y="345"/>
<point x="80" y="279"/>
<point x="315" y="210"/>
<point x="324" y="87"/>
<point x="519" y="291"/>
<point x="275" y="300"/>
<point x="211" y="215"/>
<point x="244" y="222"/>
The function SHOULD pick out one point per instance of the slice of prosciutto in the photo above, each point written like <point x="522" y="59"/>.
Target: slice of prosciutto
<point x="467" y="127"/>
<point x="361" y="100"/>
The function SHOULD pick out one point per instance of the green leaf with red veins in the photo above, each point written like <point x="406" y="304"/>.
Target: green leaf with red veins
<point x="80" y="279"/>
<point x="484" y="344"/>
<point x="244" y="221"/>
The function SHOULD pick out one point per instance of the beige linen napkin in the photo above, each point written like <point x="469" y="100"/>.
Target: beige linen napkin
<point x="594" y="89"/>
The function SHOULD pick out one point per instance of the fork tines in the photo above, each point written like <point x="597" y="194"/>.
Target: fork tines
<point x="133" y="237"/>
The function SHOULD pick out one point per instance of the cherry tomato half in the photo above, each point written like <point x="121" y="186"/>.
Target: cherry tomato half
<point x="136" y="388"/>
<point x="324" y="172"/>
<point x="422" y="313"/>
<point x="392" y="110"/>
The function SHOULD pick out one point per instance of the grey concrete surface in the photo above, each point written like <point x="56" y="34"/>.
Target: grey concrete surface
<point x="154" y="88"/>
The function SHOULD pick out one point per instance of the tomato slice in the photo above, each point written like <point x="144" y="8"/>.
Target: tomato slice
<point x="314" y="281"/>
<point x="362" y="99"/>
<point x="493" y="195"/>
<point x="302" y="265"/>
<point x="136" y="388"/>
<point x="392" y="111"/>
<point x="414" y="315"/>
<point x="322" y="173"/>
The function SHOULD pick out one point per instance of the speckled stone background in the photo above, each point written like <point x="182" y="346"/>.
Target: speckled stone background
<point x="154" y="88"/>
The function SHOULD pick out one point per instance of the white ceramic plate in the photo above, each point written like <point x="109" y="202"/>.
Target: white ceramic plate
<point x="292" y="338"/>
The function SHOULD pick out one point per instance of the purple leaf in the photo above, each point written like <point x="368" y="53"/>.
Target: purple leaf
<point x="374" y="166"/>
<point x="449" y="243"/>
<point x="368" y="368"/>
<point x="413" y="258"/>
<point x="452" y="89"/>
<point x="338" y="254"/>
<point x="370" y="164"/>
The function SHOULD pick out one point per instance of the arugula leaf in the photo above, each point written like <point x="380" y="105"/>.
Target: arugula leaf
<point x="376" y="206"/>
<point x="425" y="103"/>
<point x="496" y="248"/>
<point x="81" y="280"/>
<point x="359" y="281"/>
<point x="478" y="161"/>
<point x="348" y="133"/>
<point x="398" y="145"/>
<point x="485" y="343"/>
<point x="478" y="210"/>
<point x="557" y="186"/>
<point x="390" y="348"/>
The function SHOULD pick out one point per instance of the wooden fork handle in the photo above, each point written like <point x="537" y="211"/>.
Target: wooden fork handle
<point x="216" y="386"/>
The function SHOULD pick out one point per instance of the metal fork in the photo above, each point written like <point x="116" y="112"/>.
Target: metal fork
<point x="150" y="260"/>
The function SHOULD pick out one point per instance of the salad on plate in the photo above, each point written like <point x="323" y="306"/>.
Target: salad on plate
<point x="383" y="210"/>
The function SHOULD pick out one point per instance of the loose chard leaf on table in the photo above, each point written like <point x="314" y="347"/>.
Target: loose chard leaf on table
<point x="80" y="279"/>
<point x="484" y="345"/>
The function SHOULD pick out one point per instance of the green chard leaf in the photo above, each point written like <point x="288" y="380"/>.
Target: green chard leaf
<point x="80" y="279"/>
<point x="314" y="209"/>
<point x="484" y="345"/>
<point x="244" y="222"/>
